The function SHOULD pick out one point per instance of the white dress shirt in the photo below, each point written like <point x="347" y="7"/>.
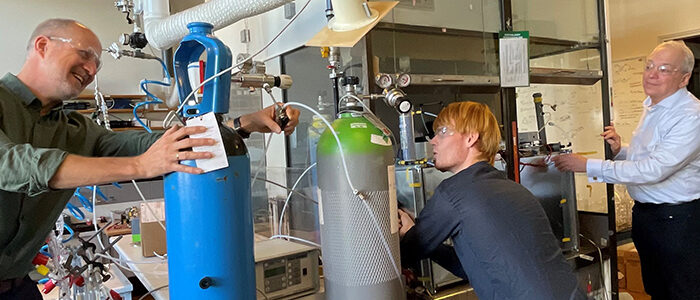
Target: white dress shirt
<point x="662" y="162"/>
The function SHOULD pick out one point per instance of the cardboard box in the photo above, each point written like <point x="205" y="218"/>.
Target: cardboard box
<point x="621" y="266"/>
<point x="621" y="277"/>
<point x="625" y="247"/>
<point x="639" y="296"/>
<point x="152" y="234"/>
<point x="629" y="265"/>
<point x="633" y="272"/>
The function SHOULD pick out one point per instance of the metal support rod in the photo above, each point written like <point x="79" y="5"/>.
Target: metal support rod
<point x="605" y="89"/>
<point x="508" y="99"/>
<point x="408" y="140"/>
<point x="540" y="119"/>
<point x="336" y="97"/>
<point x="167" y="56"/>
<point x="334" y="64"/>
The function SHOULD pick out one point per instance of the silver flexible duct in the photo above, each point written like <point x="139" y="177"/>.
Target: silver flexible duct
<point x="164" y="31"/>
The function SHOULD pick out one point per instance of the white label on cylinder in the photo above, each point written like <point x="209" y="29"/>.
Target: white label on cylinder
<point x="320" y="207"/>
<point x="379" y="140"/>
<point x="393" y="202"/>
<point x="220" y="159"/>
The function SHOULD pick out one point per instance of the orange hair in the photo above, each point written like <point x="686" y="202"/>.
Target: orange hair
<point x="472" y="117"/>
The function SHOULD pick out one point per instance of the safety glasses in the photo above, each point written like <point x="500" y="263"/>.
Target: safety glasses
<point x="444" y="131"/>
<point x="85" y="52"/>
<point x="664" y="69"/>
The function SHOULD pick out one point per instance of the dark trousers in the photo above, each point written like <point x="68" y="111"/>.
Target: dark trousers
<point x="19" y="289"/>
<point x="667" y="238"/>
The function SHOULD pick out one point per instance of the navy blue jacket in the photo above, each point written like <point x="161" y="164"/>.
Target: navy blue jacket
<point x="502" y="238"/>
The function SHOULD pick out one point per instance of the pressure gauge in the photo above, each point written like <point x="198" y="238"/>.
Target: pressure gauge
<point x="404" y="106"/>
<point x="384" y="80"/>
<point x="403" y="80"/>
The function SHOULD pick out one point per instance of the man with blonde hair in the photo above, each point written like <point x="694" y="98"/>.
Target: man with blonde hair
<point x="661" y="168"/>
<point x="502" y="238"/>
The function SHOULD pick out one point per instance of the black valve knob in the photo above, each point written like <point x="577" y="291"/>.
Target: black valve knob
<point x="351" y="80"/>
<point x="136" y="40"/>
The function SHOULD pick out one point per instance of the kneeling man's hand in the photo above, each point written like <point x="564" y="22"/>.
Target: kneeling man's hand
<point x="405" y="222"/>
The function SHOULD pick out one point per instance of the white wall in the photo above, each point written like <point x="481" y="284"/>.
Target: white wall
<point x="636" y="25"/>
<point x="265" y="26"/>
<point x="19" y="18"/>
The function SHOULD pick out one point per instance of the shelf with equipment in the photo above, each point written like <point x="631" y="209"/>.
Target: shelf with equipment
<point x="121" y="110"/>
<point x="125" y="110"/>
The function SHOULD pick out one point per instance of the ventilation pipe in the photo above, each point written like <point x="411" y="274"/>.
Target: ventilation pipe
<point x="164" y="31"/>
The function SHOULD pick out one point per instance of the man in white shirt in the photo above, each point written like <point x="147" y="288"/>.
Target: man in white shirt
<point x="661" y="168"/>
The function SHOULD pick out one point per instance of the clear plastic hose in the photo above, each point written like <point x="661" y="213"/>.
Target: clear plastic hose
<point x="289" y="196"/>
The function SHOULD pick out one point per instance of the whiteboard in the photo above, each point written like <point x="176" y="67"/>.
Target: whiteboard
<point x="578" y="120"/>
<point x="627" y="109"/>
<point x="627" y="95"/>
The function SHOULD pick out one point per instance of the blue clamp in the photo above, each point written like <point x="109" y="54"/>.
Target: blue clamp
<point x="84" y="201"/>
<point x="75" y="211"/>
<point x="70" y="230"/>
<point x="99" y="193"/>
<point x="45" y="251"/>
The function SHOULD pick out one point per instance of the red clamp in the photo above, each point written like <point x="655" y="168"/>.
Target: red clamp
<point x="115" y="295"/>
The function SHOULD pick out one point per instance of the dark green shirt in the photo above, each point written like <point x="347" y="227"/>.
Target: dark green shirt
<point x="32" y="147"/>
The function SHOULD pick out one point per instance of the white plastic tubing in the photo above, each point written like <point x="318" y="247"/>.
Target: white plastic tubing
<point x="164" y="31"/>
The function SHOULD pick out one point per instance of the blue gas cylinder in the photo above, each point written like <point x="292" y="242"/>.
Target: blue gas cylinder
<point x="208" y="216"/>
<point x="210" y="229"/>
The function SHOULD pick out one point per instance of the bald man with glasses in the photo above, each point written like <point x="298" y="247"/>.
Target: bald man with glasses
<point x="661" y="169"/>
<point x="46" y="152"/>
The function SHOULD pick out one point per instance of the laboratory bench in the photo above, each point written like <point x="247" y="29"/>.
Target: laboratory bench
<point x="153" y="274"/>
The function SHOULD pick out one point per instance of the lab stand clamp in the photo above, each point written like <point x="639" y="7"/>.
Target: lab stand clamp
<point x="555" y="190"/>
<point x="535" y="143"/>
<point x="75" y="265"/>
